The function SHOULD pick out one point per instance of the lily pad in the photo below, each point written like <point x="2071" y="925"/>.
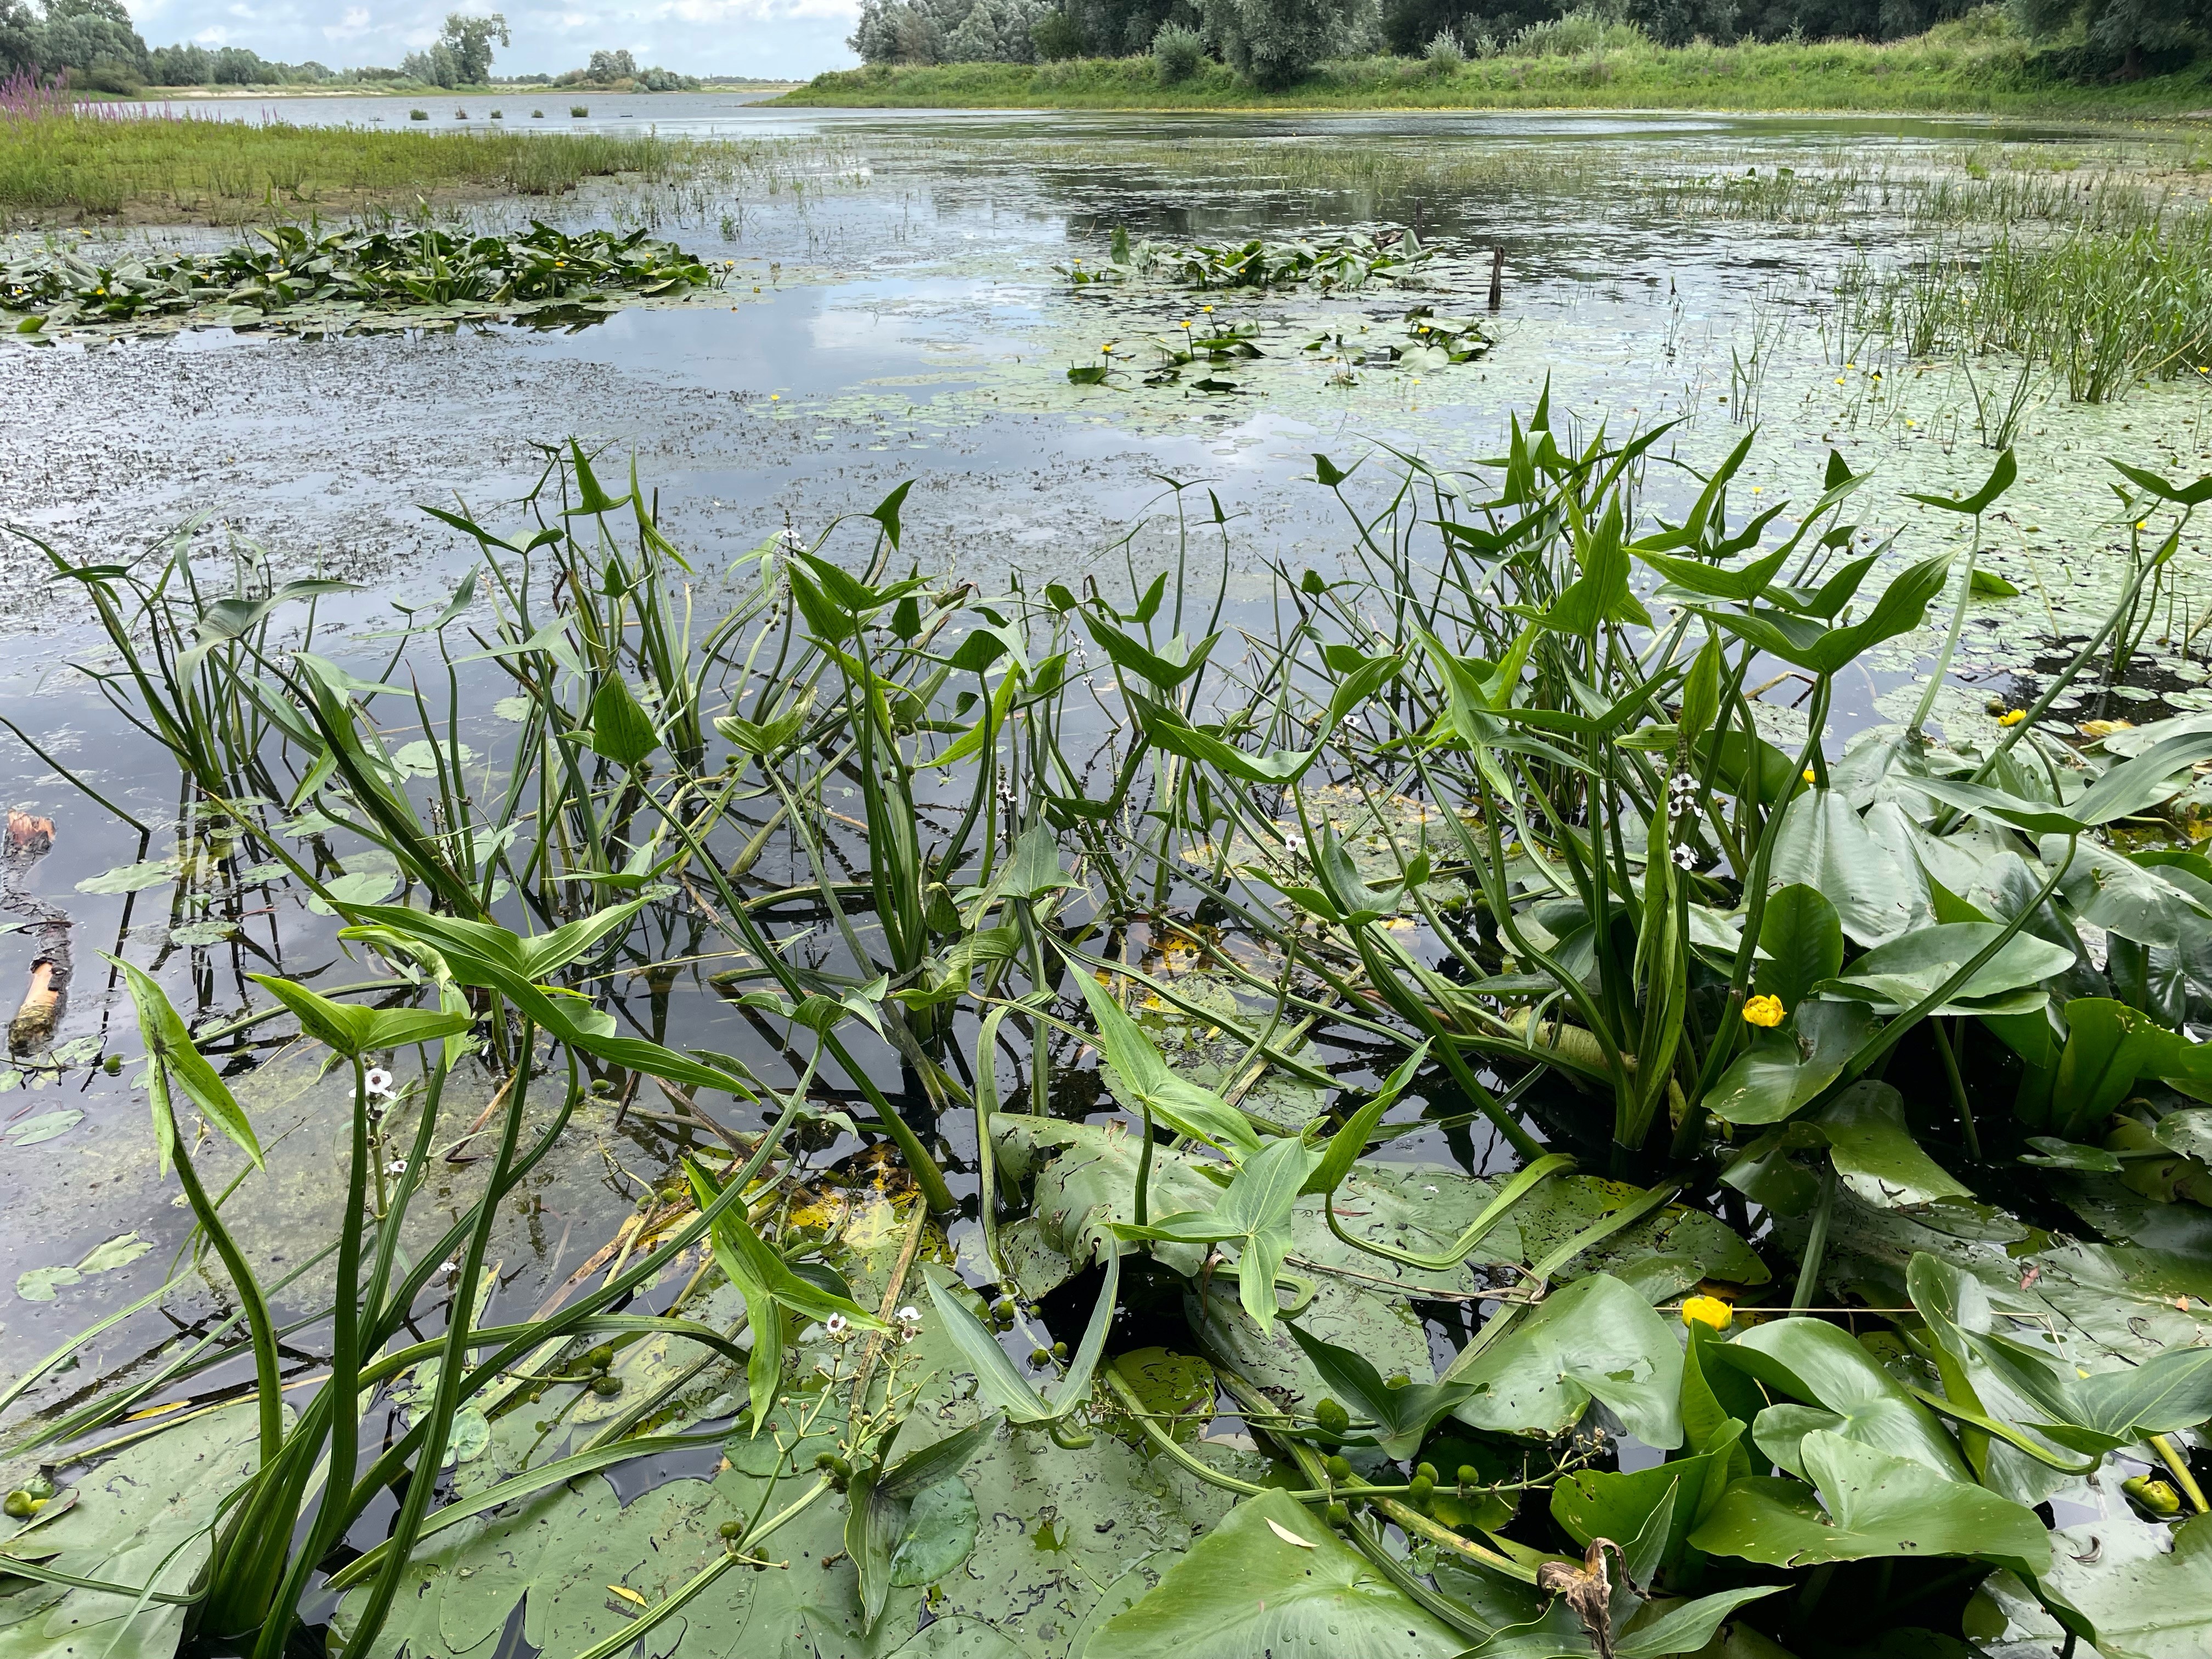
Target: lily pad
<point x="1271" y="1579"/>
<point x="131" y="877"/>
<point x="42" y="1283"/>
<point x="47" y="1126"/>
<point x="1595" y="1339"/>
<point x="1864" y="1503"/>
<point x="2145" y="1601"/>
<point x="142" y="1517"/>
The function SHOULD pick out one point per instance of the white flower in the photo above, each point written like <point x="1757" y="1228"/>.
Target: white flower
<point x="396" y="1167"/>
<point x="836" y="1326"/>
<point x="1686" y="856"/>
<point x="377" y="1081"/>
<point x="909" y="1315"/>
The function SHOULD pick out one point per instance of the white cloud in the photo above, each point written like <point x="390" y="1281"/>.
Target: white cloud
<point x="788" y="38"/>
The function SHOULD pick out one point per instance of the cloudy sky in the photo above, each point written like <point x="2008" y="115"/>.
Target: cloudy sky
<point x="784" y="38"/>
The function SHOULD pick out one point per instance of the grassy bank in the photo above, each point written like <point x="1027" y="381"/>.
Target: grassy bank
<point x="1930" y="73"/>
<point x="64" y="164"/>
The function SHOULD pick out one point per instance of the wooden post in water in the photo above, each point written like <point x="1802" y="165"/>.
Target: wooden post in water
<point x="1497" y="277"/>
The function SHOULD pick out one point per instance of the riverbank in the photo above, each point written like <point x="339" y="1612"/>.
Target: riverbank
<point x="1930" y="74"/>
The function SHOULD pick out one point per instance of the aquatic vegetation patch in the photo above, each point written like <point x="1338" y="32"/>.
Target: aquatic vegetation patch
<point x="1445" y="1033"/>
<point x="1214" y="357"/>
<point x="1341" y="259"/>
<point x="297" y="280"/>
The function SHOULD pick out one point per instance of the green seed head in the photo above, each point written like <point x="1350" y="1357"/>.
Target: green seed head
<point x="1039" y="1356"/>
<point x="601" y="1357"/>
<point x="1419" y="1488"/>
<point x="1338" y="1515"/>
<point x="1331" y="1417"/>
<point x="1059" y="1351"/>
<point x="1425" y="1472"/>
<point x="606" y="1387"/>
<point x="1339" y="1466"/>
<point x="732" y="1530"/>
<point x="1400" y="1381"/>
<point x="1469" y="1476"/>
<point x="2156" y="1496"/>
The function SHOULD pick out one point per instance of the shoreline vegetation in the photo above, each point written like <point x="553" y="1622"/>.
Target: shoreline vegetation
<point x="76" y="164"/>
<point x="411" y="91"/>
<point x="1935" y="74"/>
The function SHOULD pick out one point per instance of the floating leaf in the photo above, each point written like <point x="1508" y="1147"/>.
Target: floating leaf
<point x="131" y="877"/>
<point x="1595" y="1339"/>
<point x="1244" y="1590"/>
<point x="1874" y="1504"/>
<point x="40" y="1284"/>
<point x="47" y="1126"/>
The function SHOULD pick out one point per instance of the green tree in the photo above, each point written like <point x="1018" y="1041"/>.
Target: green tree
<point x="2119" y="30"/>
<point x="469" y="40"/>
<point x="19" y="27"/>
<point x="1271" y="43"/>
<point x="95" y="41"/>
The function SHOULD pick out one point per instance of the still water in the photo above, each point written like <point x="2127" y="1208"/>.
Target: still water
<point x="897" y="306"/>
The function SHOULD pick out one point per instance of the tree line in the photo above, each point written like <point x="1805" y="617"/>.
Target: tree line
<point x="93" y="44"/>
<point x="1272" y="42"/>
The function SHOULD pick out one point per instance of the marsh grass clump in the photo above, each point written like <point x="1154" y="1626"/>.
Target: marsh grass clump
<point x="155" y="166"/>
<point x="1012" y="1020"/>
<point x="2102" y="311"/>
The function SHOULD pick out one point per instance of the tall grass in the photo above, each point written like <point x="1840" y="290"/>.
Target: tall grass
<point x="2101" y="311"/>
<point x="82" y="161"/>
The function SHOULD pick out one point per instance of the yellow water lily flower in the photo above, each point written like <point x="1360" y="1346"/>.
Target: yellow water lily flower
<point x="1810" y="777"/>
<point x="1765" y="1011"/>
<point x="1708" y="1310"/>
<point x="2012" y="717"/>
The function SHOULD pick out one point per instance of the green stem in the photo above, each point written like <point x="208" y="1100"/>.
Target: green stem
<point x="1816" y="1243"/>
<point x="1957" y="1089"/>
<point x="626" y="1638"/>
<point x="268" y="1374"/>
<point x="447" y="1399"/>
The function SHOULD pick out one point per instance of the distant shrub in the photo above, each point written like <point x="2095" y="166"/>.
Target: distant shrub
<point x="110" y="75"/>
<point x="1177" y="53"/>
<point x="1444" y="53"/>
<point x="1271" y="43"/>
<point x="1056" y="35"/>
<point x="418" y="114"/>
<point x="578" y="111"/>
<point x="1584" y="29"/>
